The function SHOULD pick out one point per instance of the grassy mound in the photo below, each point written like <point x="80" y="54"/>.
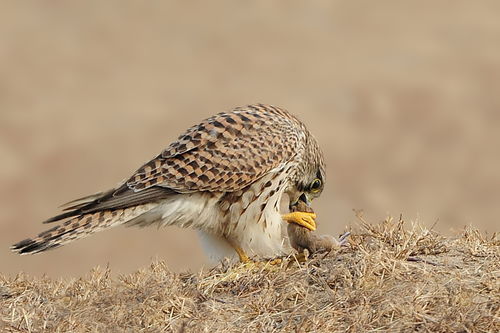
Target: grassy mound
<point x="391" y="277"/>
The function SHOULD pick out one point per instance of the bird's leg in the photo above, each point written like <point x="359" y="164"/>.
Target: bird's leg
<point x="249" y="263"/>
<point x="241" y="254"/>
<point x="303" y="219"/>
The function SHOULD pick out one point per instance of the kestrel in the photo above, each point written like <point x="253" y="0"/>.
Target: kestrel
<point x="225" y="177"/>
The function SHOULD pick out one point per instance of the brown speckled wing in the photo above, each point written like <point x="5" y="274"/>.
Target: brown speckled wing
<point x="225" y="153"/>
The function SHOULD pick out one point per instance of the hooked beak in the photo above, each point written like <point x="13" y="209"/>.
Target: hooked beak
<point x="303" y="197"/>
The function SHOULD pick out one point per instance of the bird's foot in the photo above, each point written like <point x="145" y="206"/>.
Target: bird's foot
<point x="267" y="265"/>
<point x="244" y="259"/>
<point x="243" y="269"/>
<point x="303" y="219"/>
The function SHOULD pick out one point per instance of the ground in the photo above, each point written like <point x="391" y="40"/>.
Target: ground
<point x="393" y="276"/>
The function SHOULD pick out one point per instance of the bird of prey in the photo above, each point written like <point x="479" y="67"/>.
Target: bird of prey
<point x="225" y="177"/>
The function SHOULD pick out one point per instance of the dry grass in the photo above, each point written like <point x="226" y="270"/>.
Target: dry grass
<point x="392" y="277"/>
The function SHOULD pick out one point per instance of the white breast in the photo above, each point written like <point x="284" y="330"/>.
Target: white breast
<point x="262" y="238"/>
<point x="253" y="220"/>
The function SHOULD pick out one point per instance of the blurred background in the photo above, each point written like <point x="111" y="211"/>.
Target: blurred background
<point x="403" y="97"/>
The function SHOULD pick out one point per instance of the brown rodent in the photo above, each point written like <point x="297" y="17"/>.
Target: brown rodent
<point x="302" y="238"/>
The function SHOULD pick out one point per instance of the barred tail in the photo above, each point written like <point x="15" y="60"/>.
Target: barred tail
<point x="78" y="227"/>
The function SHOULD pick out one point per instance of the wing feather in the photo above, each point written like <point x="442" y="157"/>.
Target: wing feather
<point x="226" y="152"/>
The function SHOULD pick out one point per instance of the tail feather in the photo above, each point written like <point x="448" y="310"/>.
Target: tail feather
<point x="114" y="199"/>
<point x="77" y="228"/>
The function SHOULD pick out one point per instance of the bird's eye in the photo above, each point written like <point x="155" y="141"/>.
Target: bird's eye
<point x="316" y="185"/>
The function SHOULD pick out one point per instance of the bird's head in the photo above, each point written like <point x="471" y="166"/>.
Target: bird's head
<point x="309" y="190"/>
<point x="310" y="180"/>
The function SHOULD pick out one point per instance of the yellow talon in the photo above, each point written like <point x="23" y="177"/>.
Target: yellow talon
<point x="301" y="218"/>
<point x="241" y="254"/>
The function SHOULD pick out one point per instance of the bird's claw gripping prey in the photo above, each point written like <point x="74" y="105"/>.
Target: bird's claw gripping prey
<point x="304" y="219"/>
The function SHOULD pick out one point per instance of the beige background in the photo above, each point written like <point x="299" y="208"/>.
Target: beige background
<point x="402" y="95"/>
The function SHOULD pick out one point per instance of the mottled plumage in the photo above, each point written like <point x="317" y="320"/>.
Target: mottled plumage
<point x="226" y="177"/>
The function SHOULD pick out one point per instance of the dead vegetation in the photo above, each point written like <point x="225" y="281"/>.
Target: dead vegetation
<point x="392" y="277"/>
